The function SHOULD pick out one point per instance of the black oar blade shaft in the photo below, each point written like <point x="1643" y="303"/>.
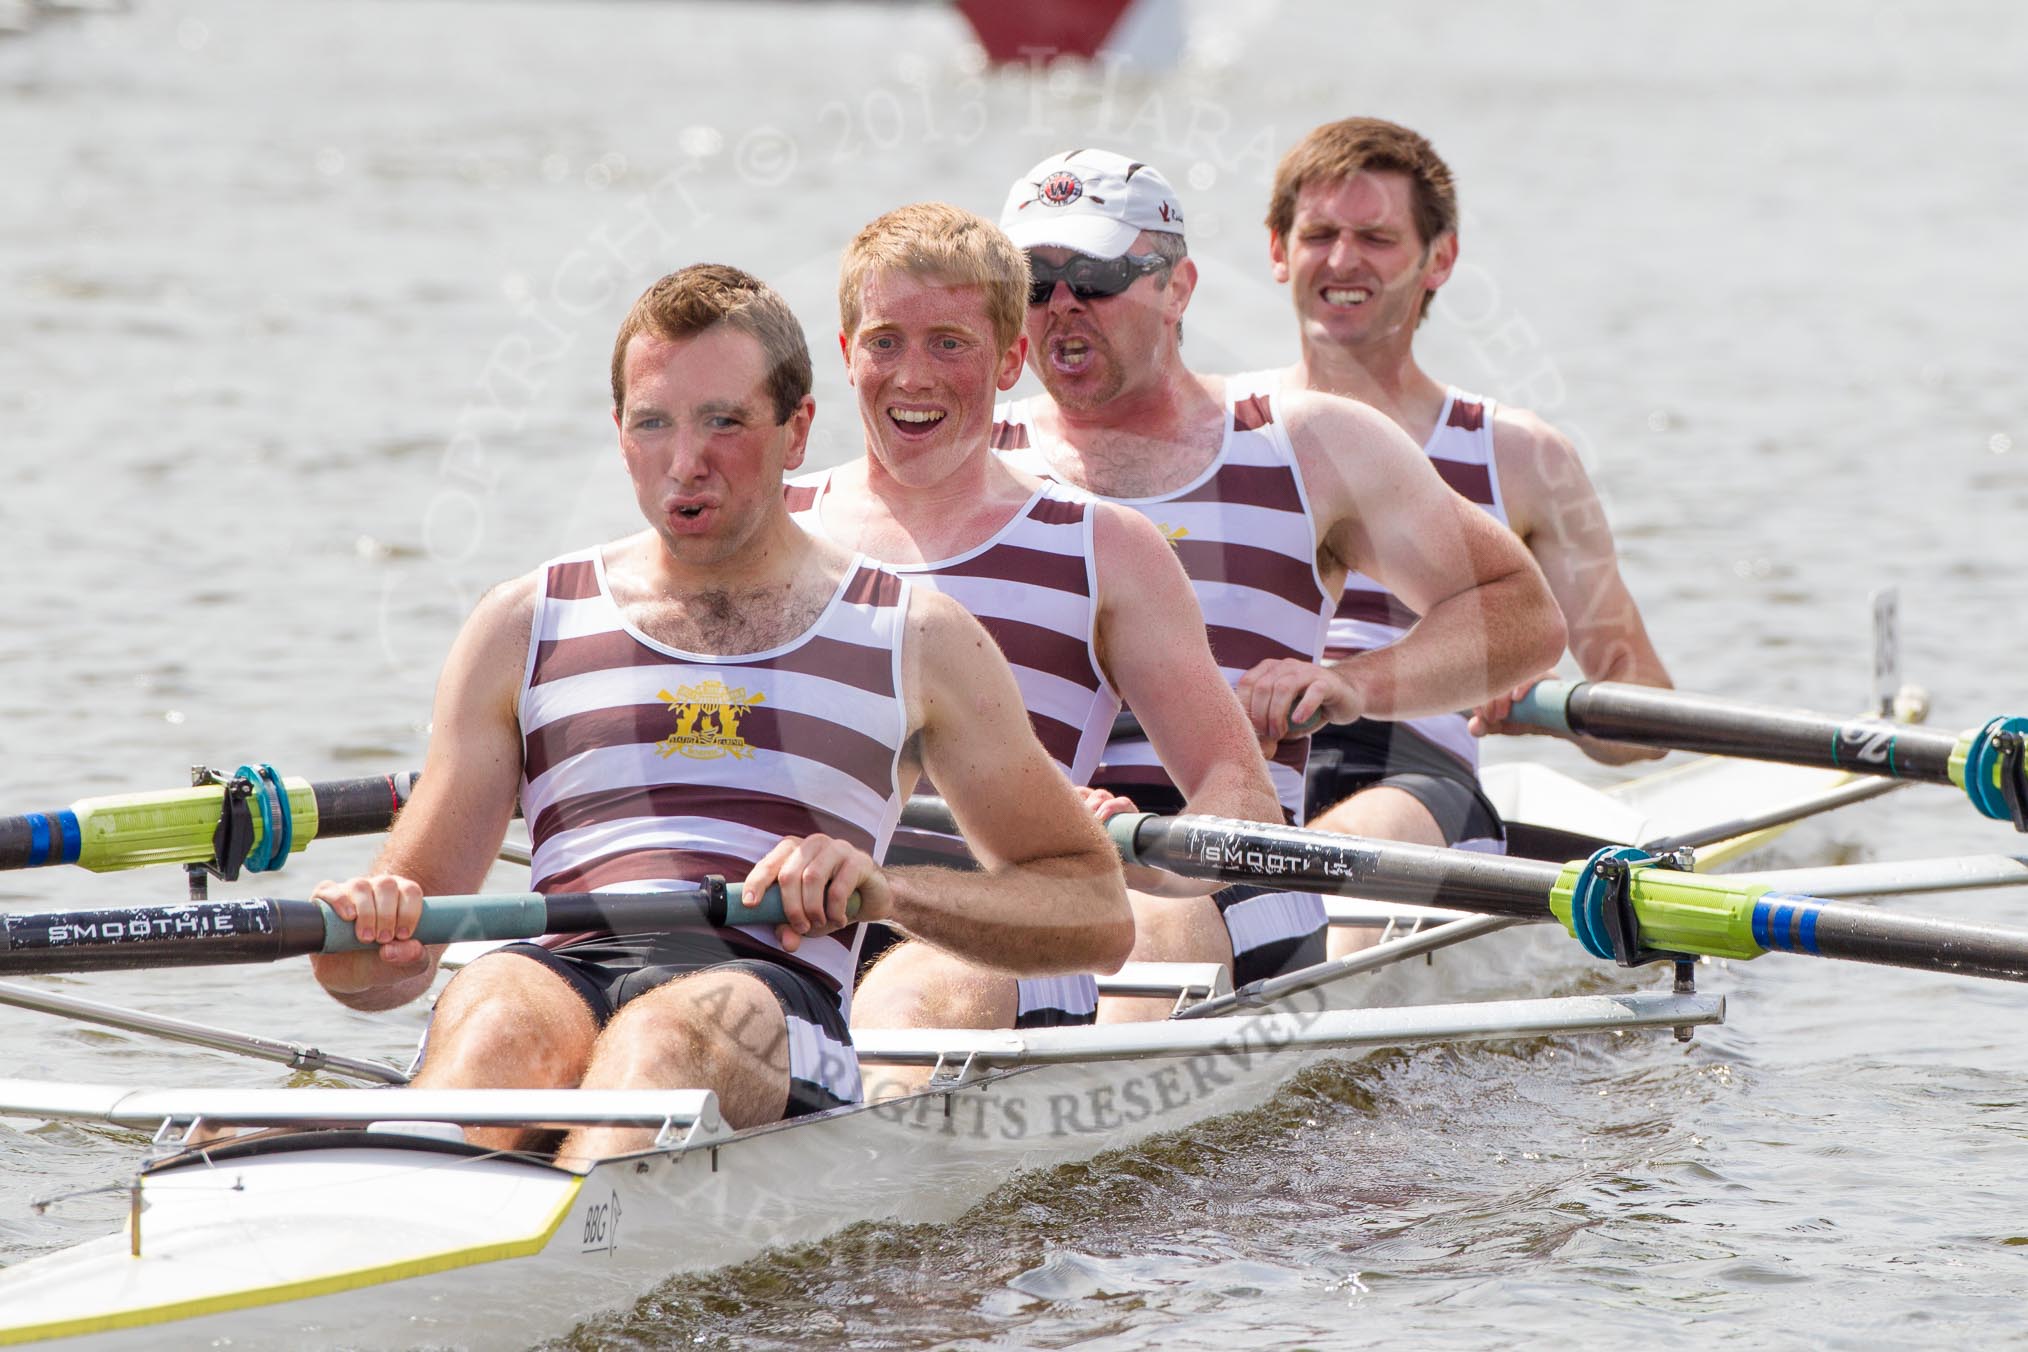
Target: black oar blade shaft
<point x="1687" y="722"/>
<point x="361" y="807"/>
<point x="1860" y="934"/>
<point x="200" y="933"/>
<point x="1251" y="852"/>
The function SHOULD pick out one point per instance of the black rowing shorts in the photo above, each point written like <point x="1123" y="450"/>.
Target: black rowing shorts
<point x="1348" y="757"/>
<point x="607" y="970"/>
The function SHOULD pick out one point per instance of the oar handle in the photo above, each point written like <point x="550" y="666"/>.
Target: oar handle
<point x="266" y="929"/>
<point x="1545" y="706"/>
<point x="1127" y="727"/>
<point x="528" y="915"/>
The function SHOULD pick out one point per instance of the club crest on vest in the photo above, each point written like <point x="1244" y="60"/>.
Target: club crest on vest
<point x="707" y="720"/>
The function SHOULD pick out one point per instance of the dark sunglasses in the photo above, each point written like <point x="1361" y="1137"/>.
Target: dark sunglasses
<point x="1090" y="278"/>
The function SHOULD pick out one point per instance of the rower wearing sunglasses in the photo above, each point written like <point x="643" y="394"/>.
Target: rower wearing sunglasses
<point x="1268" y="497"/>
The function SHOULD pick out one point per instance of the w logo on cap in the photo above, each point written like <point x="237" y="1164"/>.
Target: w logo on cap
<point x="1061" y="189"/>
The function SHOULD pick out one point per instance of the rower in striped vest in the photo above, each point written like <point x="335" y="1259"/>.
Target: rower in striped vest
<point x="1270" y="500"/>
<point x="1085" y="599"/>
<point x="1363" y="225"/>
<point x="720" y="694"/>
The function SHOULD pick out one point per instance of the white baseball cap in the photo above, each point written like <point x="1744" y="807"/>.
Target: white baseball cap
<point x="1092" y="201"/>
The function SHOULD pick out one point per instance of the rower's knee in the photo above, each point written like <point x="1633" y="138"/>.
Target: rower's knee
<point x="1382" y="813"/>
<point x="716" y="1030"/>
<point x="1169" y="929"/>
<point x="918" y="986"/>
<point x="507" y="1022"/>
<point x="1179" y="929"/>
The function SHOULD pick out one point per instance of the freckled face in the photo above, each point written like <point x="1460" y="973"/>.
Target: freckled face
<point x="927" y="367"/>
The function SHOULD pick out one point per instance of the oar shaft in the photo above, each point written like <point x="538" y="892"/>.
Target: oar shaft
<point x="244" y="929"/>
<point x="1687" y="722"/>
<point x="267" y="929"/>
<point x="1791" y="924"/>
<point x="1318" y="861"/>
<point x="1676" y="911"/>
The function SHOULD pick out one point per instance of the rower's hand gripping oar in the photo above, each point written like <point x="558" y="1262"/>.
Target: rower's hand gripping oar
<point x="267" y="929"/>
<point x="1617" y="903"/>
<point x="1127" y="727"/>
<point x="1990" y="763"/>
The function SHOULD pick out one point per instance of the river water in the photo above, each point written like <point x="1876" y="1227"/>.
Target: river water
<point x="304" y="316"/>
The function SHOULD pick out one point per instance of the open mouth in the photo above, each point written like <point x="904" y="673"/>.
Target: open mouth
<point x="1346" y="295"/>
<point x="687" y="511"/>
<point x="915" y="419"/>
<point x="1070" y="355"/>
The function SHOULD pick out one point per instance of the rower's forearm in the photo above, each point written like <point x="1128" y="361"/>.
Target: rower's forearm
<point x="354" y="980"/>
<point x="1239" y="792"/>
<point x="1465" y="650"/>
<point x="1044" y="917"/>
<point x="1628" y="661"/>
<point x="1242" y="792"/>
<point x="1617" y="753"/>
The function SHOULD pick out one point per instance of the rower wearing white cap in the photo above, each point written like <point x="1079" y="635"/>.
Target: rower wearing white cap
<point x="1082" y="597"/>
<point x="1268" y="499"/>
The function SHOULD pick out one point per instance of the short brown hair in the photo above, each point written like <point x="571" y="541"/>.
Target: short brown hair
<point x="688" y="302"/>
<point x="1340" y="150"/>
<point x="946" y="243"/>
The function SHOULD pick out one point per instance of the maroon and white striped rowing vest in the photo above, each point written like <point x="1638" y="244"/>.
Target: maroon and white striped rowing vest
<point x="1369" y="616"/>
<point x="644" y="766"/>
<point x="1034" y="586"/>
<point x="1244" y="534"/>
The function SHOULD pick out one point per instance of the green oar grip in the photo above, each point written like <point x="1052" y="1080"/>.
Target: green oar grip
<point x="1124" y="829"/>
<point x="528" y="915"/>
<point x="1546" y="705"/>
<point x="768" y="910"/>
<point x="455" y="919"/>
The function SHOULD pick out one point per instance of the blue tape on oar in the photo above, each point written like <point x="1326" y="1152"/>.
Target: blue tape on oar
<point x="1784" y="922"/>
<point x="53" y="838"/>
<point x="1982" y="767"/>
